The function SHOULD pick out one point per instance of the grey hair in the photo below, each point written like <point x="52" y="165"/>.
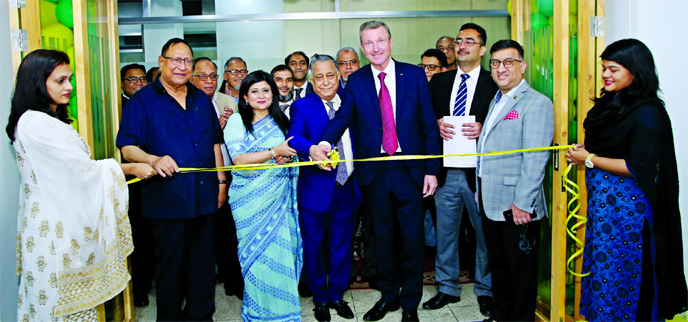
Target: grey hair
<point x="200" y="59"/>
<point x="233" y="58"/>
<point x="347" y="48"/>
<point x="373" y="24"/>
<point x="317" y="58"/>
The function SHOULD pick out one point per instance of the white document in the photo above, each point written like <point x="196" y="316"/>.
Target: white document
<point x="459" y="144"/>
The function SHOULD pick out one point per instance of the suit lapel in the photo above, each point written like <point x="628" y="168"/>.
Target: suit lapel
<point x="400" y="84"/>
<point x="369" y="85"/>
<point x="510" y="104"/>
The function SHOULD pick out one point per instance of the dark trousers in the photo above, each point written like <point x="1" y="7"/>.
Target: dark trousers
<point x="185" y="268"/>
<point x="514" y="271"/>
<point x="396" y="211"/>
<point x="143" y="257"/>
<point x="226" y="254"/>
<point x="327" y="247"/>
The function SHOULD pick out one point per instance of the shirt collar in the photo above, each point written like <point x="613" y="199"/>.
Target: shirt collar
<point x="390" y="70"/>
<point x="511" y="93"/>
<point x="473" y="74"/>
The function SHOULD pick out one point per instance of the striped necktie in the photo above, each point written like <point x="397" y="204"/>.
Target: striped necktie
<point x="342" y="173"/>
<point x="460" y="102"/>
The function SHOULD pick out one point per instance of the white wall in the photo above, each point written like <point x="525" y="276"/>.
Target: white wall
<point x="9" y="181"/>
<point x="661" y="25"/>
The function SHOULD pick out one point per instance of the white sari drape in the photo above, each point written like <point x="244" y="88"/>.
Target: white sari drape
<point x="73" y="234"/>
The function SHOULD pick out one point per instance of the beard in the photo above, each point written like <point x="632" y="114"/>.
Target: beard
<point x="288" y="97"/>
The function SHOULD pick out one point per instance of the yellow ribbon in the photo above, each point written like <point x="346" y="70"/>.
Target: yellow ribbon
<point x="335" y="160"/>
<point x="573" y="206"/>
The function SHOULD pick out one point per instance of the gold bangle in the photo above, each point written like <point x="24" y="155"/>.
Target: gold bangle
<point x="272" y="153"/>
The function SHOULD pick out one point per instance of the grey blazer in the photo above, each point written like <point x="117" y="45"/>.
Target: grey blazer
<point x="516" y="178"/>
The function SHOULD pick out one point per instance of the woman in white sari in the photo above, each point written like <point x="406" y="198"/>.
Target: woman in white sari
<point x="73" y="233"/>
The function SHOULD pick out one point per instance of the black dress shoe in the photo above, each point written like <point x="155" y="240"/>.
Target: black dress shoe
<point x="485" y="303"/>
<point x="440" y="300"/>
<point x="409" y="315"/>
<point x="380" y="309"/>
<point x="342" y="309"/>
<point x="141" y="302"/>
<point x="322" y="312"/>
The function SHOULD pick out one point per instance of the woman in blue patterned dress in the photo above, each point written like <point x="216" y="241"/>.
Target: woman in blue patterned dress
<point x="264" y="203"/>
<point x="633" y="247"/>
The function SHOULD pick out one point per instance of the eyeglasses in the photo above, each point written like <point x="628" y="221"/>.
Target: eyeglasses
<point x="508" y="63"/>
<point x="204" y="77"/>
<point x="349" y="63"/>
<point x="447" y="48"/>
<point x="469" y="42"/>
<point x="179" y="61"/>
<point x="430" y="67"/>
<point x="236" y="72"/>
<point x="134" y="79"/>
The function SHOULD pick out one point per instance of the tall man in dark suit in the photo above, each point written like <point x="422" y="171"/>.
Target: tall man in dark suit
<point x="511" y="196"/>
<point x="389" y="107"/>
<point x="326" y="199"/>
<point x="467" y="90"/>
<point x="298" y="62"/>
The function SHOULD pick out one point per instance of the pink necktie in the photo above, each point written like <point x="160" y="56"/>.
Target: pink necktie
<point x="389" y="129"/>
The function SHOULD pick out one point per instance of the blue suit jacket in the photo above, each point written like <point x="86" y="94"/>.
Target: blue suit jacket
<point x="417" y="129"/>
<point x="308" y="122"/>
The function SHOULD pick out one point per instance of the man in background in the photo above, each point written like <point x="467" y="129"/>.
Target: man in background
<point x="234" y="74"/>
<point x="284" y="78"/>
<point x="228" y="269"/>
<point x="347" y="62"/>
<point x="446" y="45"/>
<point x="298" y="62"/>
<point x="133" y="79"/>
<point x="433" y="61"/>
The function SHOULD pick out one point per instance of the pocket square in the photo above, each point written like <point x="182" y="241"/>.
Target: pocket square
<point x="513" y="115"/>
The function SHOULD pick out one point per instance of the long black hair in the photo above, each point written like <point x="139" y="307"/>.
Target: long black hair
<point x="633" y="55"/>
<point x="246" y="111"/>
<point x="30" y="91"/>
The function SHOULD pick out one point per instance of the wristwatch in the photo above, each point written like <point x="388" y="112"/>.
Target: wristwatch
<point x="588" y="160"/>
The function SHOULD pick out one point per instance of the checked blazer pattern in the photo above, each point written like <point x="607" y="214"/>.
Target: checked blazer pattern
<point x="517" y="178"/>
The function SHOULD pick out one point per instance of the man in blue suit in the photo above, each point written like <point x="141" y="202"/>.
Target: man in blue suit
<point x="326" y="199"/>
<point x="389" y="107"/>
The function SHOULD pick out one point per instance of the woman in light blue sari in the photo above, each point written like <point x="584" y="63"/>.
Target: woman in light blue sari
<point x="264" y="203"/>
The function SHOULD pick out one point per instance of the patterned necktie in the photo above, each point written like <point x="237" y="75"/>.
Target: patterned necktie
<point x="298" y="93"/>
<point x="342" y="173"/>
<point x="460" y="102"/>
<point x="389" y="129"/>
<point x="283" y="107"/>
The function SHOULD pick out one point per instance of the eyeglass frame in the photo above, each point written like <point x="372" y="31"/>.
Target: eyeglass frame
<point x="469" y="42"/>
<point x="142" y="79"/>
<point x="178" y="61"/>
<point x="348" y="63"/>
<point x="235" y="71"/>
<point x="500" y="62"/>
<point x="204" y="77"/>
<point x="431" y="67"/>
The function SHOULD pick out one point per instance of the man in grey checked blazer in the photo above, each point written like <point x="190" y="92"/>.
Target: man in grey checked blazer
<point x="510" y="186"/>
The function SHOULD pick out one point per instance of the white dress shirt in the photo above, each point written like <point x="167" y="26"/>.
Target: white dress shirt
<point x="303" y="92"/>
<point x="391" y="82"/>
<point x="471" y="84"/>
<point x="346" y="138"/>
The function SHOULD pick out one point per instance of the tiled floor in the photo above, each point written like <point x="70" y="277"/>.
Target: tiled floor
<point x="229" y="308"/>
